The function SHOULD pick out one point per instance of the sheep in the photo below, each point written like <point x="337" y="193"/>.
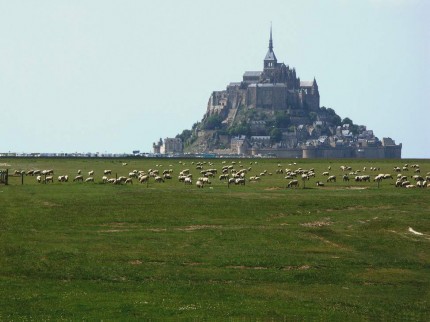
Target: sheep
<point x="205" y="180"/>
<point x="124" y="164"/>
<point x="199" y="184"/>
<point x="231" y="181"/>
<point x="388" y="176"/>
<point x="132" y="174"/>
<point x="417" y="178"/>
<point x="293" y="183"/>
<point x="91" y="173"/>
<point x="128" y="180"/>
<point x="239" y="181"/>
<point x="105" y="179"/>
<point x="64" y="178"/>
<point x="79" y="171"/>
<point x="78" y="178"/>
<point x="379" y="178"/>
<point x="39" y="179"/>
<point x="49" y="179"/>
<point x="320" y="184"/>
<point x="188" y="180"/>
<point x="223" y="177"/>
<point x="121" y="179"/>
<point x="105" y="172"/>
<point x="89" y="179"/>
<point x="158" y="179"/>
<point x="345" y="177"/>
<point x="362" y="178"/>
<point x="331" y="179"/>
<point x="326" y="174"/>
<point x="405" y="183"/>
<point x="167" y="176"/>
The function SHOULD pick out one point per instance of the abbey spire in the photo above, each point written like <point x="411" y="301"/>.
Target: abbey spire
<point x="270" y="60"/>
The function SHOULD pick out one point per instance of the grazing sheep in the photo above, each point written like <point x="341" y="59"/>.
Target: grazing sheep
<point x="293" y="183"/>
<point x="405" y="183"/>
<point x="199" y="184"/>
<point x="79" y="171"/>
<point x="331" y="179"/>
<point x="223" y="177"/>
<point x="320" y="184"/>
<point x="49" y="179"/>
<point x="105" y="179"/>
<point x="91" y="173"/>
<point x="345" y="177"/>
<point x="39" y="179"/>
<point x="89" y="179"/>
<point x="128" y="180"/>
<point x="158" y="179"/>
<point x="107" y="172"/>
<point x="188" y="180"/>
<point x="64" y="178"/>
<point x="326" y="174"/>
<point x="78" y="178"/>
<point x="240" y="181"/>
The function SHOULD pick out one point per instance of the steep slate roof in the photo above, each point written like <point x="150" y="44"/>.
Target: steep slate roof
<point x="252" y="74"/>
<point x="270" y="55"/>
<point x="306" y="83"/>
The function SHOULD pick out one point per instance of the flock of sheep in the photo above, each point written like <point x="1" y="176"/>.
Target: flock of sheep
<point x="235" y="173"/>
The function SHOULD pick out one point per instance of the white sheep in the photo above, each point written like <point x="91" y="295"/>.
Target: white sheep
<point x="331" y="179"/>
<point x="293" y="183"/>
<point x="78" y="178"/>
<point x="49" y="179"/>
<point x="89" y="179"/>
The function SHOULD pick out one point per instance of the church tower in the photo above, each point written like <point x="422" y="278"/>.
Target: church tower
<point x="270" y="60"/>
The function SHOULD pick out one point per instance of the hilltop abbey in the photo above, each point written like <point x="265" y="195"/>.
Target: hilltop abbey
<point x="273" y="112"/>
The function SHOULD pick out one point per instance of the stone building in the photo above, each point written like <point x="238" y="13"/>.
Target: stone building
<point x="168" y="146"/>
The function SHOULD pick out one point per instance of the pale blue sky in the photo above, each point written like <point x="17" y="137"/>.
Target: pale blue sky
<point x="96" y="76"/>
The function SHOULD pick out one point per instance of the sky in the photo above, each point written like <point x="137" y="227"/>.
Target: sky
<point x="115" y="76"/>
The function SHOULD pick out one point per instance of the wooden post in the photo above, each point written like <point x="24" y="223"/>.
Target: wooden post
<point x="22" y="178"/>
<point x="6" y="178"/>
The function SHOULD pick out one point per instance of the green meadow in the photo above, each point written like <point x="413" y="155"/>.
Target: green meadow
<point x="259" y="251"/>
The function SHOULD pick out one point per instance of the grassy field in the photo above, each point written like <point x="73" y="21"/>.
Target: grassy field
<point x="91" y="251"/>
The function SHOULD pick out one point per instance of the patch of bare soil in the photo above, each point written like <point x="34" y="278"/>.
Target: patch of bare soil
<point x="50" y="204"/>
<point x="321" y="223"/>
<point x="247" y="267"/>
<point x="273" y="188"/>
<point x="198" y="227"/>
<point x="156" y="230"/>
<point x="296" y="268"/>
<point x="113" y="230"/>
<point x="136" y="262"/>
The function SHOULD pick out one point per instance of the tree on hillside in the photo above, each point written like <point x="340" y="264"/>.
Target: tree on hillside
<point x="213" y="122"/>
<point x="347" y="120"/>
<point x="275" y="135"/>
